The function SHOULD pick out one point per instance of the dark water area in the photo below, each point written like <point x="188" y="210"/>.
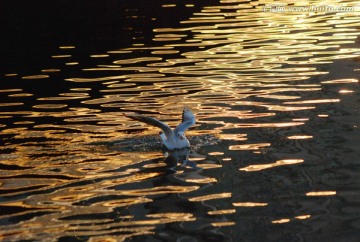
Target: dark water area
<point x="34" y="29"/>
<point x="274" y="153"/>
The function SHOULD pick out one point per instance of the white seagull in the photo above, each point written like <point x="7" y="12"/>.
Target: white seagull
<point x="172" y="139"/>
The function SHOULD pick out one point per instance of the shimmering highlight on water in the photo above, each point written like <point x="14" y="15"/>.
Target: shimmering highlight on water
<point x="265" y="92"/>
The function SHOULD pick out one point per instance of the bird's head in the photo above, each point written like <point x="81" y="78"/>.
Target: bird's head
<point x="181" y="135"/>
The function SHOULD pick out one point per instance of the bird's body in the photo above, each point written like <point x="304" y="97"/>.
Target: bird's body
<point x="171" y="138"/>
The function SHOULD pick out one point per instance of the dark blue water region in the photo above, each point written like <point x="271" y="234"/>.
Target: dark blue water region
<point x="32" y="29"/>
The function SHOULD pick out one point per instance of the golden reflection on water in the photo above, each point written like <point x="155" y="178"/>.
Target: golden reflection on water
<point x="244" y="72"/>
<point x="35" y="77"/>
<point x="340" y="81"/>
<point x="296" y="137"/>
<point x="221" y="212"/>
<point x="321" y="193"/>
<point x="288" y="220"/>
<point x="249" y="204"/>
<point x="302" y="217"/>
<point x="10" y="104"/>
<point x="249" y="146"/>
<point x="210" y="197"/>
<point x="314" y="101"/>
<point x="50" y="70"/>
<point x="281" y="221"/>
<point x="61" y="56"/>
<point x="344" y="91"/>
<point x="201" y="180"/>
<point x="67" y="47"/>
<point x="222" y="224"/>
<point x="260" y="167"/>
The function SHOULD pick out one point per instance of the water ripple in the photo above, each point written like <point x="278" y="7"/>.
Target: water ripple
<point x="267" y="149"/>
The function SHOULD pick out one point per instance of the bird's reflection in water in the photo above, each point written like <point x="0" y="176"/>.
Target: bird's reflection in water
<point x="174" y="161"/>
<point x="181" y="170"/>
<point x="178" y="157"/>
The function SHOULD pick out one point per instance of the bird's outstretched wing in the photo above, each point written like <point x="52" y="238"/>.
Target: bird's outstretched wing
<point x="153" y="122"/>
<point x="188" y="120"/>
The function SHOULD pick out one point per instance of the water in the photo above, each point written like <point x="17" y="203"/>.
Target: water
<point x="274" y="152"/>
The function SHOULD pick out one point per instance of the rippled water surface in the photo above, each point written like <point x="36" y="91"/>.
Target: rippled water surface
<point x="274" y="152"/>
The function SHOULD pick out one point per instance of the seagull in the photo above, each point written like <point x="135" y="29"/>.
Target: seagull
<point x="171" y="138"/>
